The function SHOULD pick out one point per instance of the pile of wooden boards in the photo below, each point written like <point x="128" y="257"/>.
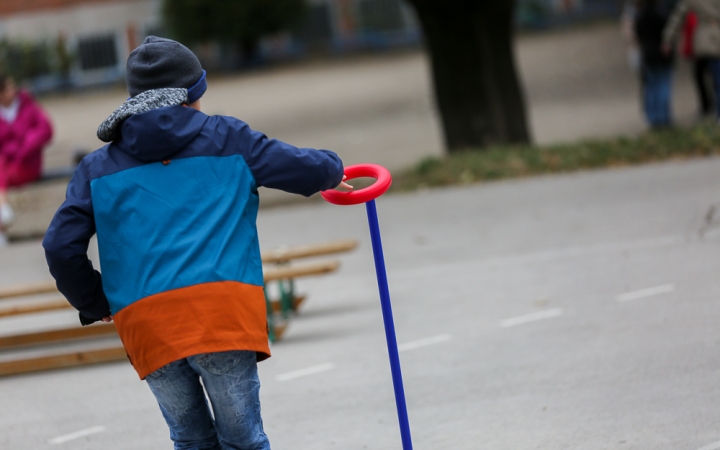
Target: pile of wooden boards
<point x="75" y="346"/>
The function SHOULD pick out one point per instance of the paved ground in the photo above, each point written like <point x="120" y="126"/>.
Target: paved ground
<point x="576" y="311"/>
<point x="566" y="312"/>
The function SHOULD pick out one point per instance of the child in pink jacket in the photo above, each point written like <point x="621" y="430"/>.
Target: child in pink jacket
<point x="24" y="132"/>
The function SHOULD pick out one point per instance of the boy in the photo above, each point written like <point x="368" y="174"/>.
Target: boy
<point x="173" y="199"/>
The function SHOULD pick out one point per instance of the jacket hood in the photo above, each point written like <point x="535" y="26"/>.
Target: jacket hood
<point x="158" y="134"/>
<point x="153" y="125"/>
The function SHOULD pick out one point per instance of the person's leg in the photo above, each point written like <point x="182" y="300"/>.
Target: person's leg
<point x="700" y="75"/>
<point x="4" y="180"/>
<point x="658" y="85"/>
<point x="182" y="401"/>
<point x="7" y="216"/>
<point x="714" y="65"/>
<point x="13" y="174"/>
<point x="646" y="95"/>
<point x="232" y="383"/>
<point x="651" y="97"/>
<point x="664" y="96"/>
<point x="4" y="204"/>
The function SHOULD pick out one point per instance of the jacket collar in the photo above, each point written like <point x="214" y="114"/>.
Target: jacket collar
<point x="109" y="130"/>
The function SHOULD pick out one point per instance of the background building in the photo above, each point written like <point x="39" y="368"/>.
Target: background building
<point x="64" y="43"/>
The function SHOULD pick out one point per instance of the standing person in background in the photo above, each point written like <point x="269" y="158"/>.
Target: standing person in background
<point x="25" y="130"/>
<point x="701" y="67"/>
<point x="656" y="69"/>
<point x="706" y="41"/>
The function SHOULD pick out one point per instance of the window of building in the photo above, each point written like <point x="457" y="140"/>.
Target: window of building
<point x="97" y="52"/>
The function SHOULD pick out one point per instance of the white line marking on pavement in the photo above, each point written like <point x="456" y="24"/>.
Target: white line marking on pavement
<point x="424" y="342"/>
<point x="713" y="446"/>
<point x="649" y="292"/>
<point x="473" y="265"/>
<point x="540" y="315"/>
<point x="304" y="372"/>
<point x="76" y="435"/>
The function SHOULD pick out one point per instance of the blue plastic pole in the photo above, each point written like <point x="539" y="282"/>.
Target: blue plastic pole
<point x="389" y="325"/>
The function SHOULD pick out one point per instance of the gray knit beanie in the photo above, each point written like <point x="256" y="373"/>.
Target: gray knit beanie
<point x="163" y="63"/>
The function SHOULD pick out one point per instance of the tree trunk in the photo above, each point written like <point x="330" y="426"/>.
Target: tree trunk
<point x="476" y="84"/>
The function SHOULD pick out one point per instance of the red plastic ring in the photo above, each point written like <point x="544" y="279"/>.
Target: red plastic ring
<point x="375" y="190"/>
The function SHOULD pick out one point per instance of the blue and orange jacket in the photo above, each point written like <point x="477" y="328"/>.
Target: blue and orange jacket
<point x="174" y="203"/>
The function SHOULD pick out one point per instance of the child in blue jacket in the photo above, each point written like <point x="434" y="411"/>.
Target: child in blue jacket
<point x="173" y="200"/>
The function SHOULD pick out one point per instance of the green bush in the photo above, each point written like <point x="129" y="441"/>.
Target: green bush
<point x="474" y="166"/>
<point x="239" y="22"/>
<point x="25" y="60"/>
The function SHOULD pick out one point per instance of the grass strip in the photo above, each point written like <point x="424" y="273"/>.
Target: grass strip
<point x="495" y="163"/>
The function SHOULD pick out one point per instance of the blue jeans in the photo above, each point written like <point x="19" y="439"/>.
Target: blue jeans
<point x="657" y="84"/>
<point x="232" y="384"/>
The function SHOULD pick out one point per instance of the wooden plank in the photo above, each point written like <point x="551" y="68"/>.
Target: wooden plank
<point x="25" y="235"/>
<point x="63" y="304"/>
<point x="34" y="308"/>
<point x="284" y="273"/>
<point x="22" y="290"/>
<point x="269" y="257"/>
<point x="304" y="251"/>
<point x="82" y="358"/>
<point x="52" y="336"/>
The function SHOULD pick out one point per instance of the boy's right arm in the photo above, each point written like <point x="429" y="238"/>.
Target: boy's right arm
<point x="66" y="243"/>
<point x="278" y="165"/>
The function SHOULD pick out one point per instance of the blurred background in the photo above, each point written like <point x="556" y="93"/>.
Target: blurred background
<point x="347" y="75"/>
<point x="341" y="61"/>
<point x="74" y="43"/>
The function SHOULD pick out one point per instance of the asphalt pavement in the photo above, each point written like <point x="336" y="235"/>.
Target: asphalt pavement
<point x="562" y="312"/>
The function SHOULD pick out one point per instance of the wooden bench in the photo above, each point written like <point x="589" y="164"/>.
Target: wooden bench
<point x="64" y="173"/>
<point x="284" y="274"/>
<point x="46" y="190"/>
<point x="280" y="271"/>
<point x="57" y="173"/>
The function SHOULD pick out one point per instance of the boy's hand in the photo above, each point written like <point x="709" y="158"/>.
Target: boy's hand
<point x="344" y="185"/>
<point x="84" y="320"/>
